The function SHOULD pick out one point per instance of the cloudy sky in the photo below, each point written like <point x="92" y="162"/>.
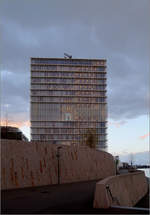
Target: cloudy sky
<point x="113" y="29"/>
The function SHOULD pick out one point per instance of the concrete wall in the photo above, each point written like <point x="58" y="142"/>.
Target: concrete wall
<point x="35" y="164"/>
<point x="127" y="190"/>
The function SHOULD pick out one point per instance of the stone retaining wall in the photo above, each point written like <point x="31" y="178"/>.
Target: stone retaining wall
<point x="26" y="164"/>
<point x="126" y="190"/>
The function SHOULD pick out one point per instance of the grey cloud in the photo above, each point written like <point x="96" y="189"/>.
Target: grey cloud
<point x="116" y="30"/>
<point x="15" y="94"/>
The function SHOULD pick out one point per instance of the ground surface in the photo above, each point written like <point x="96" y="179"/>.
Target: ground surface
<point x="67" y="198"/>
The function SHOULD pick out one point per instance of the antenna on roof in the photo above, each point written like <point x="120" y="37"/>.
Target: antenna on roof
<point x="67" y="56"/>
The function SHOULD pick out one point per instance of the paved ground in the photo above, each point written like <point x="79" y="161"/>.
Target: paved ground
<point x="33" y="200"/>
<point x="67" y="198"/>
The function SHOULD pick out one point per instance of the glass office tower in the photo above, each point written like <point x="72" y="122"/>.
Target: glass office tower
<point x="68" y="97"/>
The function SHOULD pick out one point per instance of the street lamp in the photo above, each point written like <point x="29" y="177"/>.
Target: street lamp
<point x="58" y="165"/>
<point x="117" y="163"/>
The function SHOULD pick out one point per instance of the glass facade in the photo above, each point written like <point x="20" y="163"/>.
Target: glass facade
<point x="68" y="96"/>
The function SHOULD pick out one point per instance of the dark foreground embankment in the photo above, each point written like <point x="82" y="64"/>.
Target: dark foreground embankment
<point x="58" y="199"/>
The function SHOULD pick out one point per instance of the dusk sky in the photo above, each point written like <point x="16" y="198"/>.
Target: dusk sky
<point x="116" y="30"/>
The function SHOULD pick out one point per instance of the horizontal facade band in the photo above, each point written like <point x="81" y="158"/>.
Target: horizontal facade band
<point x="66" y="121"/>
<point x="105" y="141"/>
<point x="68" y="93"/>
<point x="101" y="145"/>
<point x="70" y="65"/>
<point x="42" y="83"/>
<point x="69" y="136"/>
<point x="67" y="81"/>
<point x="49" y="127"/>
<point x="68" y="102"/>
<point x="100" y="142"/>
<point x="100" y="134"/>
<point x="78" y="128"/>
<point x="68" y="90"/>
<point x="68" y="87"/>
<point x="65" y="69"/>
<point x="49" y="124"/>
<point x="74" y="127"/>
<point x="67" y="99"/>
<point x="71" y="71"/>
<point x="69" y="96"/>
<point x="74" y="78"/>
<point x="70" y="128"/>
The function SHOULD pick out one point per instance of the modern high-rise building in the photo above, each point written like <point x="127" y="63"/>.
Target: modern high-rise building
<point x="68" y="98"/>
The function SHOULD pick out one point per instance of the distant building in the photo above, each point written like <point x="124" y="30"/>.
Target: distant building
<point x="68" y="97"/>
<point x="125" y="165"/>
<point x="13" y="133"/>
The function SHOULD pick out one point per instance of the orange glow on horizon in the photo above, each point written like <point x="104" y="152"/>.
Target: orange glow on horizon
<point x="144" y="136"/>
<point x="16" y="124"/>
